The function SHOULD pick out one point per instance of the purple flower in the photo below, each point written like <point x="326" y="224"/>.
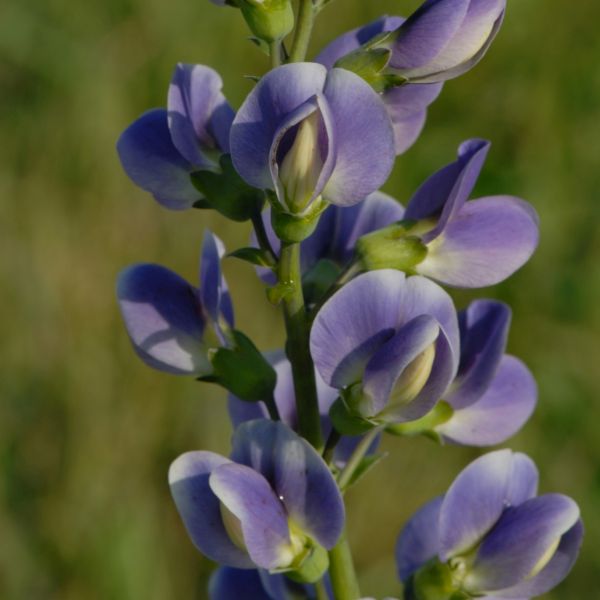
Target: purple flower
<point x="309" y="133"/>
<point x="169" y="320"/>
<point x="273" y="505"/>
<point x="470" y="244"/>
<point x="391" y="344"/>
<point x="493" y="394"/>
<point x="444" y="38"/>
<point x="491" y="535"/>
<point x="407" y="104"/>
<point x="164" y="147"/>
<point x="285" y="399"/>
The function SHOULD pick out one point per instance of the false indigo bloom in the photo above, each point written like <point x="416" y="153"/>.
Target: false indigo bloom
<point x="463" y="244"/>
<point x="491" y="535"/>
<point x="285" y="399"/>
<point x="443" y="39"/>
<point x="407" y="104"/>
<point x="168" y="320"/>
<point x="391" y="343"/>
<point x="164" y="147"/>
<point x="493" y="394"/>
<point x="306" y="133"/>
<point x="473" y="244"/>
<point x="273" y="505"/>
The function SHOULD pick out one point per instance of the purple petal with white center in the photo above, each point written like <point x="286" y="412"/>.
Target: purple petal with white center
<point x="555" y="571"/>
<point x="277" y="94"/>
<point x="521" y="538"/>
<point x="474" y="503"/>
<point x="364" y="139"/>
<point x="427" y="31"/>
<point x="500" y="412"/>
<point x="418" y="542"/>
<point x="199" y="116"/>
<point x="389" y="362"/>
<point x="151" y="161"/>
<point x="354" y="323"/>
<point x="249" y="496"/>
<point x="297" y="474"/>
<point x="352" y="40"/>
<point x="377" y="211"/>
<point x="164" y="319"/>
<point x="483" y="244"/>
<point x="483" y="335"/>
<point x="227" y="583"/>
<point x="445" y="192"/>
<point x="214" y="293"/>
<point x="200" y="509"/>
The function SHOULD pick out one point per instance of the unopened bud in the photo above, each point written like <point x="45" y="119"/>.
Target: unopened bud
<point x="302" y="165"/>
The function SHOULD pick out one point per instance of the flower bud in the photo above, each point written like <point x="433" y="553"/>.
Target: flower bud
<point x="444" y="38"/>
<point x="302" y="165"/>
<point x="269" y="20"/>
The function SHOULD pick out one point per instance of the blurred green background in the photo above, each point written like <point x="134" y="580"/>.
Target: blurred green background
<point x="87" y="432"/>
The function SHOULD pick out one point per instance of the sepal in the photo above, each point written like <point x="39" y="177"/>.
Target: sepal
<point x="311" y="566"/>
<point x="441" y="413"/>
<point x="293" y="229"/>
<point x="227" y="192"/>
<point x="242" y="370"/>
<point x="348" y="422"/>
<point x="434" y="581"/>
<point x="393" y="247"/>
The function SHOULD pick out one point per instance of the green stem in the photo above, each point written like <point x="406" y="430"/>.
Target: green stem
<point x="306" y="18"/>
<point x="321" y="590"/>
<point x="275" y="49"/>
<point x="297" y="328"/>
<point x="272" y="408"/>
<point x="332" y="442"/>
<point x="341" y="571"/>
<point x="354" y="461"/>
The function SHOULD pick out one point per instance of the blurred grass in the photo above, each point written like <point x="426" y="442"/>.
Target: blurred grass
<point x="87" y="432"/>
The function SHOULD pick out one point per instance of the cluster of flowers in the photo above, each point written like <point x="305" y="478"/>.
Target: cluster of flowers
<point x="390" y="352"/>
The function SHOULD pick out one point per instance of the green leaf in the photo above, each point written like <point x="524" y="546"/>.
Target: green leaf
<point x="243" y="370"/>
<point x="227" y="192"/>
<point x="254" y="256"/>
